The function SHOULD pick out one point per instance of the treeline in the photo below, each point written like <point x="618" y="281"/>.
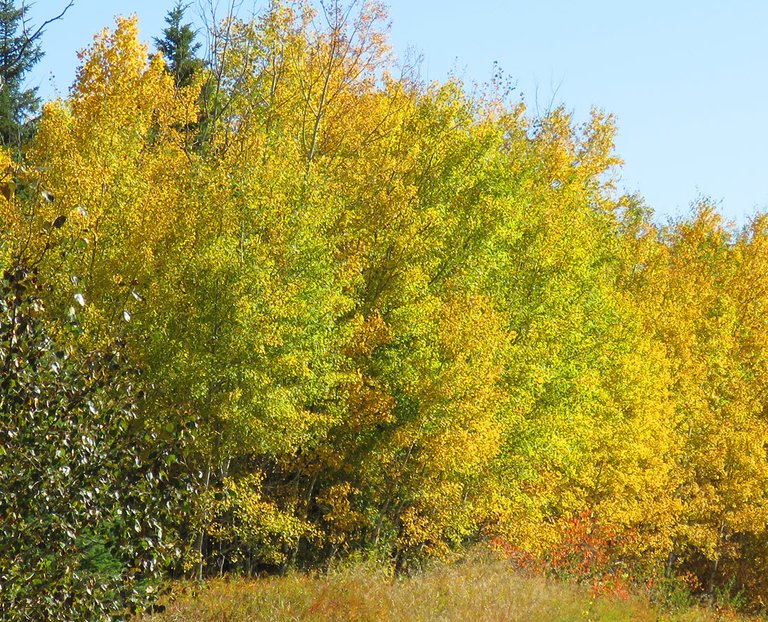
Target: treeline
<point x="370" y="316"/>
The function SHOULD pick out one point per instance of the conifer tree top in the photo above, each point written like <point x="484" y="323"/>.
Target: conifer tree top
<point x="178" y="46"/>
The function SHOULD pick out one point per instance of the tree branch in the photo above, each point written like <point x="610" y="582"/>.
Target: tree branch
<point x="29" y="39"/>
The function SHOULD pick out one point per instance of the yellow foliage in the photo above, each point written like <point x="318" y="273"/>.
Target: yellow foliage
<point x="399" y="315"/>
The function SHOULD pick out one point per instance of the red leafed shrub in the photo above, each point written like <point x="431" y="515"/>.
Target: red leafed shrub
<point x="587" y="552"/>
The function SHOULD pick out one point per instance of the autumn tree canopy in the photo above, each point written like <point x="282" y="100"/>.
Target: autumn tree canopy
<point x="400" y="316"/>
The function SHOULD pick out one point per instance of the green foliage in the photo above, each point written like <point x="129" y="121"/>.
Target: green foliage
<point x="179" y="47"/>
<point x="86" y="491"/>
<point x="19" y="52"/>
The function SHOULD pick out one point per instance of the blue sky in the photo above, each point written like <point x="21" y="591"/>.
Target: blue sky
<point x="685" y="78"/>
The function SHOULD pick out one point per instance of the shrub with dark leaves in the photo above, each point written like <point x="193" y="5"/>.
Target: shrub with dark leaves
<point x="87" y="491"/>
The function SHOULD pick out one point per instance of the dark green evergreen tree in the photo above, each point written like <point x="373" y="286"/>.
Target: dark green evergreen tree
<point x="178" y="46"/>
<point x="19" y="52"/>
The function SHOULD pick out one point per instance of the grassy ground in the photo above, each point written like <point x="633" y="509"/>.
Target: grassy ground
<point x="474" y="591"/>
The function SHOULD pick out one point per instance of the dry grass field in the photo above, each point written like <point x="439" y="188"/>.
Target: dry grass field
<point x="474" y="591"/>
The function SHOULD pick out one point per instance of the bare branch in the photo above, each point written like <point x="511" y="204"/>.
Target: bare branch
<point x="31" y="37"/>
<point x="41" y="29"/>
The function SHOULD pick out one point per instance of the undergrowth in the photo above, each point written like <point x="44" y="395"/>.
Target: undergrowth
<point x="480" y="588"/>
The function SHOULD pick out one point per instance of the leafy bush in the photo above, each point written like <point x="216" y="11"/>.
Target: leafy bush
<point x="86" y="492"/>
<point x="586" y="552"/>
